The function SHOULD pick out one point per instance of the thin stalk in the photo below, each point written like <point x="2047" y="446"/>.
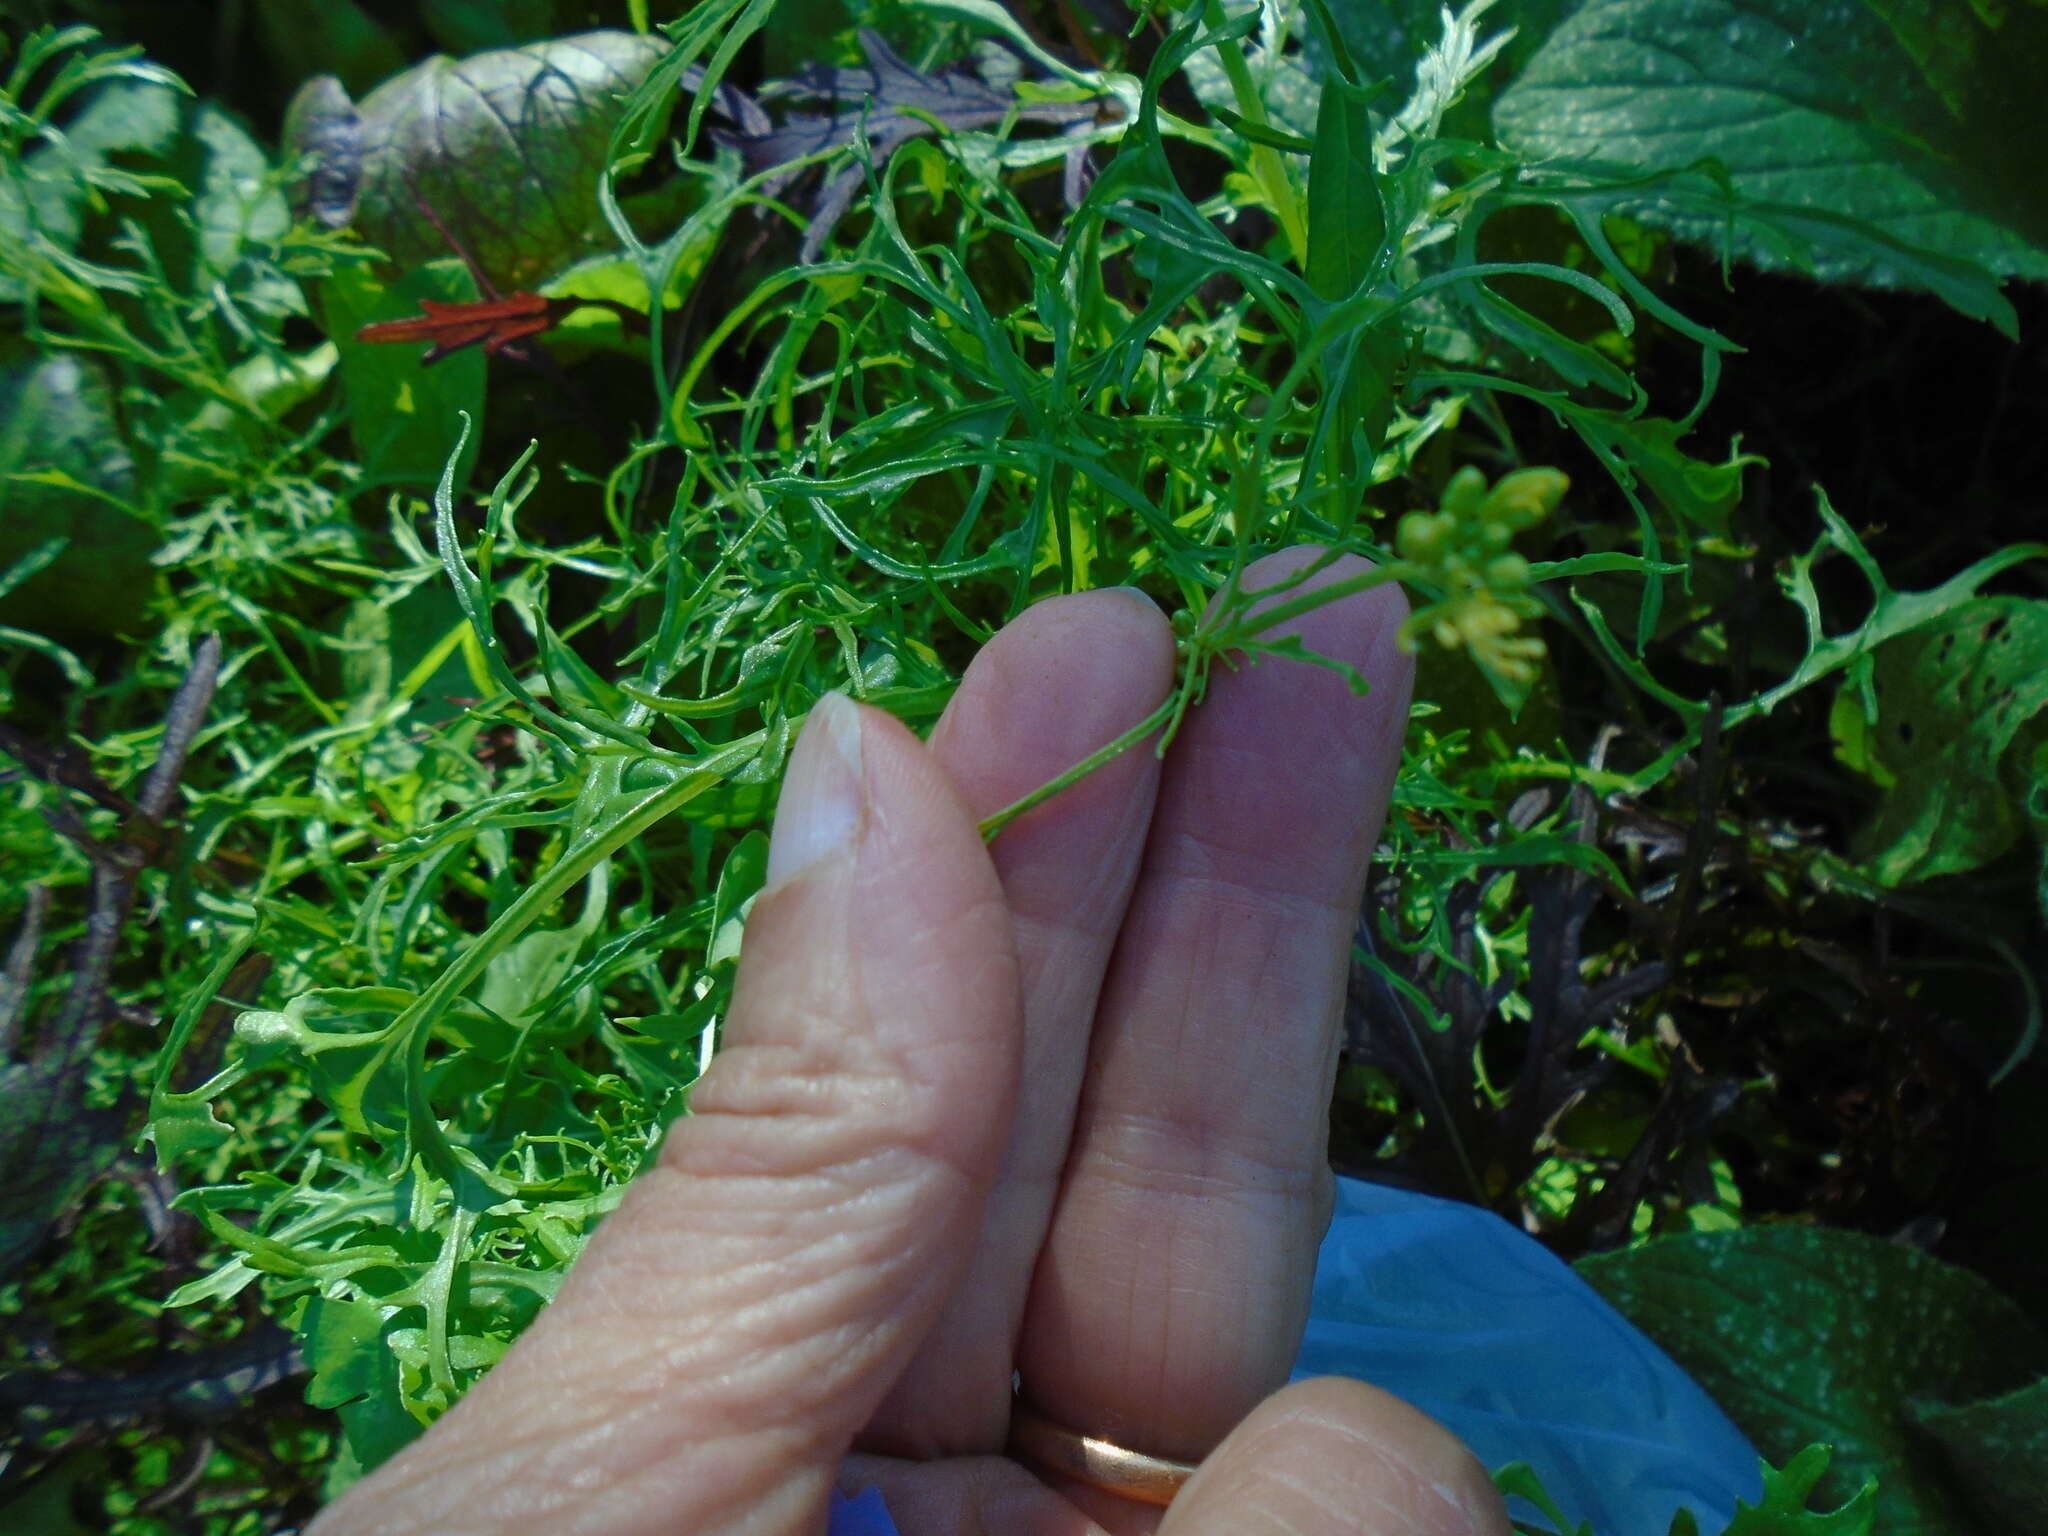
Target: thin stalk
<point x="1204" y="647"/>
<point x="1268" y="169"/>
<point x="992" y="825"/>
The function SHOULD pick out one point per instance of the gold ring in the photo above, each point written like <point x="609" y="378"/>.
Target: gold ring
<point x="1068" y="1453"/>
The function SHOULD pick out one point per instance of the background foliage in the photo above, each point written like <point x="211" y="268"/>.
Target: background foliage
<point x="391" y="745"/>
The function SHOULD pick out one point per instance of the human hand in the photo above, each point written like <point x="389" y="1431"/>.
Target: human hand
<point x="1054" y="1108"/>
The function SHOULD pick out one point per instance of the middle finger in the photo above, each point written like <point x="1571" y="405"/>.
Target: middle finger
<point x="1063" y="679"/>
<point x="1175" y="1280"/>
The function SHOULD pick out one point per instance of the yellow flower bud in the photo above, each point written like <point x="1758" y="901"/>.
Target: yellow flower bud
<point x="1527" y="496"/>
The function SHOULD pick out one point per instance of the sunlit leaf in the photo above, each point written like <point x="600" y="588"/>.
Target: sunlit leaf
<point x="1894" y="117"/>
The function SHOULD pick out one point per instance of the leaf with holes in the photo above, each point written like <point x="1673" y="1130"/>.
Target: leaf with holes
<point x="1952" y="700"/>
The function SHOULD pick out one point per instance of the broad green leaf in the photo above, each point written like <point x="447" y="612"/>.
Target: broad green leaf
<point x="235" y="201"/>
<point x="66" y="473"/>
<point x="1952" y="698"/>
<point x="355" y="1372"/>
<point x="406" y="418"/>
<point x="1903" y="117"/>
<point x="505" y="147"/>
<point x="1812" y="1334"/>
<point x="341" y="1340"/>
<point x="1998" y="1449"/>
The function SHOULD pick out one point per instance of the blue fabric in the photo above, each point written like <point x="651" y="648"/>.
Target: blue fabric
<point x="862" y="1515"/>
<point x="1492" y="1335"/>
<point x="1484" y="1329"/>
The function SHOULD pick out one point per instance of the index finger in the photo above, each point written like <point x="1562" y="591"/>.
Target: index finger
<point x="1172" y="1291"/>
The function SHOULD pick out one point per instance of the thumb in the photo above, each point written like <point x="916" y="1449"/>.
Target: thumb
<point x="737" y="1319"/>
<point x="1335" y="1457"/>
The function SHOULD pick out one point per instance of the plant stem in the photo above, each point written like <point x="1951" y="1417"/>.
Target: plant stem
<point x="990" y="826"/>
<point x="1308" y="602"/>
<point x="1207" y="644"/>
<point x="1268" y="169"/>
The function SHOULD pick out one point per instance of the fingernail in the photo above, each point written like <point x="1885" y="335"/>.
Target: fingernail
<point x="1135" y="594"/>
<point x="819" y="813"/>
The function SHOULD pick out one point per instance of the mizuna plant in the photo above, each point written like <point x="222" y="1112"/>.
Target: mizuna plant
<point x="512" y="658"/>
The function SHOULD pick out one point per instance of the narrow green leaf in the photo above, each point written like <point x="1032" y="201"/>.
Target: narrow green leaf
<point x="1347" y="218"/>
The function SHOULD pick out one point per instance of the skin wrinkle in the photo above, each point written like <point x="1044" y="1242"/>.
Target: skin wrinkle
<point x="1029" y="706"/>
<point x="1183" y="1237"/>
<point x="1249" y="996"/>
<point x="750" y="1475"/>
<point x="779" y="1081"/>
<point x="1061" y="912"/>
<point x="1156" y="1178"/>
<point x="1211" y="780"/>
<point x="1332" y="1456"/>
<point x="1193" y="859"/>
<point x="831" y="1363"/>
<point x="764" y="1207"/>
<point x="1176" y="1307"/>
<point x="809" y="1317"/>
<point x="874" y="1245"/>
<point x="945" y="1057"/>
<point x="543" y="1485"/>
<point x="1184" y="1064"/>
<point x="1064" y="982"/>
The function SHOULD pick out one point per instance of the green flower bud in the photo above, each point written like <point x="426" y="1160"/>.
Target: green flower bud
<point x="1466" y="492"/>
<point x="1510" y="572"/>
<point x="1423" y="536"/>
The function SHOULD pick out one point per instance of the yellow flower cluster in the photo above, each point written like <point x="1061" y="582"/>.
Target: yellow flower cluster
<point x="1462" y="548"/>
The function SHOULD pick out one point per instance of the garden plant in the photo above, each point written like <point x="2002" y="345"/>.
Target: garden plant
<point x="447" y="449"/>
